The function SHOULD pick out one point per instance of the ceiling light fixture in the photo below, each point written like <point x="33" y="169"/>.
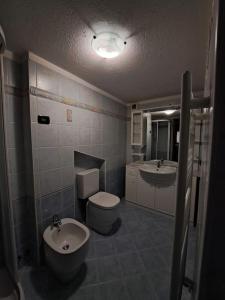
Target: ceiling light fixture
<point x="169" y="111"/>
<point x="108" y="44"/>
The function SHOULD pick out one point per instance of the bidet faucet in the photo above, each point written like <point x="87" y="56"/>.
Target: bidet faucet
<point x="56" y="222"/>
<point x="159" y="163"/>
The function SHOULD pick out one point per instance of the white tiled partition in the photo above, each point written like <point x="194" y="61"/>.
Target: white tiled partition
<point x="97" y="127"/>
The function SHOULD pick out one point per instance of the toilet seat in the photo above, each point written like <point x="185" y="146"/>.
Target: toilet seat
<point x="104" y="200"/>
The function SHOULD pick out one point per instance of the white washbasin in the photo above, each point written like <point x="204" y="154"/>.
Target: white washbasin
<point x="162" y="170"/>
<point x="162" y="176"/>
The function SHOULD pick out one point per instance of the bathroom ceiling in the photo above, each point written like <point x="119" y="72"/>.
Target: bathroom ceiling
<point x="164" y="38"/>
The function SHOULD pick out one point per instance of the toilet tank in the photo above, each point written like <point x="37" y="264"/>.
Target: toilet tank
<point x="87" y="183"/>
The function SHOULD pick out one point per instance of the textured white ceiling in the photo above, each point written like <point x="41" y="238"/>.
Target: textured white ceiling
<point x="163" y="38"/>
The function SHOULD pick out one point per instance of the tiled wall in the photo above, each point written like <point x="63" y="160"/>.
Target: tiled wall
<point x="41" y="157"/>
<point x="101" y="134"/>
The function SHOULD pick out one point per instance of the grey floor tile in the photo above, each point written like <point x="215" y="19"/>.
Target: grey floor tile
<point x="144" y="241"/>
<point x="131" y="264"/>
<point x="91" y="274"/>
<point x="153" y="260"/>
<point x="87" y="293"/>
<point x="91" y="251"/>
<point x="124" y="244"/>
<point x="109" y="269"/>
<point x="139" y="288"/>
<point x="114" y="290"/>
<point x="104" y="248"/>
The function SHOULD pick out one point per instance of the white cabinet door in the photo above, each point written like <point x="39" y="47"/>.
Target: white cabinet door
<point x="145" y="194"/>
<point x="131" y="189"/>
<point x="165" y="199"/>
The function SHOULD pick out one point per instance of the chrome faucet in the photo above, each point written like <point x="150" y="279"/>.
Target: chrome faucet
<point x="56" y="222"/>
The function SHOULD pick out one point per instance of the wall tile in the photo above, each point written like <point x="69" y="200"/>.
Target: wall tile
<point x="66" y="156"/>
<point x="47" y="135"/>
<point x="50" y="181"/>
<point x="96" y="136"/>
<point x="68" y="88"/>
<point x="84" y="136"/>
<point x="33" y="108"/>
<point x="32" y="73"/>
<point x="67" y="176"/>
<point x="68" y="196"/>
<point x="48" y="158"/>
<point x="47" y="80"/>
<point x="50" y="108"/>
<point x="51" y="205"/>
<point x="66" y="137"/>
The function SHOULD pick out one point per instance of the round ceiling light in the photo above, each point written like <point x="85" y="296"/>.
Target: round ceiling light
<point x="169" y="111"/>
<point x="108" y="45"/>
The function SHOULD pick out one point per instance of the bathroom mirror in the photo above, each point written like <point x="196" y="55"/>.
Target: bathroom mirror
<point x="160" y="136"/>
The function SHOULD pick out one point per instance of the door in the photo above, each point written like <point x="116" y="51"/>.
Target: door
<point x="183" y="194"/>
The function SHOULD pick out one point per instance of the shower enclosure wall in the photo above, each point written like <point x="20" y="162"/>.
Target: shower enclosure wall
<point x="160" y="139"/>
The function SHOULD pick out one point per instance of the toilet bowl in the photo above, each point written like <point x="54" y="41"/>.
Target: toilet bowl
<point x="101" y="207"/>
<point x="65" y="248"/>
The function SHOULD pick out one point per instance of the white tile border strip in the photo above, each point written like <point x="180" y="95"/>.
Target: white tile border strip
<point x="69" y="75"/>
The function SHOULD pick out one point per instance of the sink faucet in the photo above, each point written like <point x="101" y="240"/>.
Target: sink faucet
<point x="56" y="222"/>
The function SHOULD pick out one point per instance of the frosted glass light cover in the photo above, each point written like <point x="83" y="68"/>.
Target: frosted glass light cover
<point x="169" y="111"/>
<point x="108" y="45"/>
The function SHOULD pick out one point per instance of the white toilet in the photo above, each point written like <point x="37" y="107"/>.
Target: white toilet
<point x="102" y="207"/>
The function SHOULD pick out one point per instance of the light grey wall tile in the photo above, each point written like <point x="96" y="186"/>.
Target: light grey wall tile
<point x="48" y="158"/>
<point x="34" y="135"/>
<point x="85" y="149"/>
<point x="51" y="205"/>
<point x="68" y="196"/>
<point x="96" y="136"/>
<point x="66" y="137"/>
<point x="33" y="108"/>
<point x="68" y="88"/>
<point x="67" y="176"/>
<point x="47" y="80"/>
<point x="96" y="121"/>
<point x="50" y="108"/>
<point x="66" y="156"/>
<point x="84" y="136"/>
<point x="47" y="135"/>
<point x="32" y="73"/>
<point x="50" y="181"/>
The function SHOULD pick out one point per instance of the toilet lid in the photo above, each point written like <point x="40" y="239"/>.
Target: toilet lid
<point x="104" y="200"/>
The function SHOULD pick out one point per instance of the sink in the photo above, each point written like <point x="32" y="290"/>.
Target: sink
<point x="163" y="176"/>
<point x="169" y="163"/>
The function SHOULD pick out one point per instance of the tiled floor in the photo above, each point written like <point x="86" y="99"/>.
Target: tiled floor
<point x="134" y="263"/>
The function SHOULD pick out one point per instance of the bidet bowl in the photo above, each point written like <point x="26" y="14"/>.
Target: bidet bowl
<point x="66" y="249"/>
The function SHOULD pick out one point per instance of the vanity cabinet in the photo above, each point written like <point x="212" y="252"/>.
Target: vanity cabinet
<point x="144" y="193"/>
<point x="165" y="199"/>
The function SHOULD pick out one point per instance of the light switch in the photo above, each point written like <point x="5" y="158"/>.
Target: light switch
<point x="69" y="115"/>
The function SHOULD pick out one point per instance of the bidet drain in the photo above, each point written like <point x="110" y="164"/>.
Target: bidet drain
<point x="66" y="247"/>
